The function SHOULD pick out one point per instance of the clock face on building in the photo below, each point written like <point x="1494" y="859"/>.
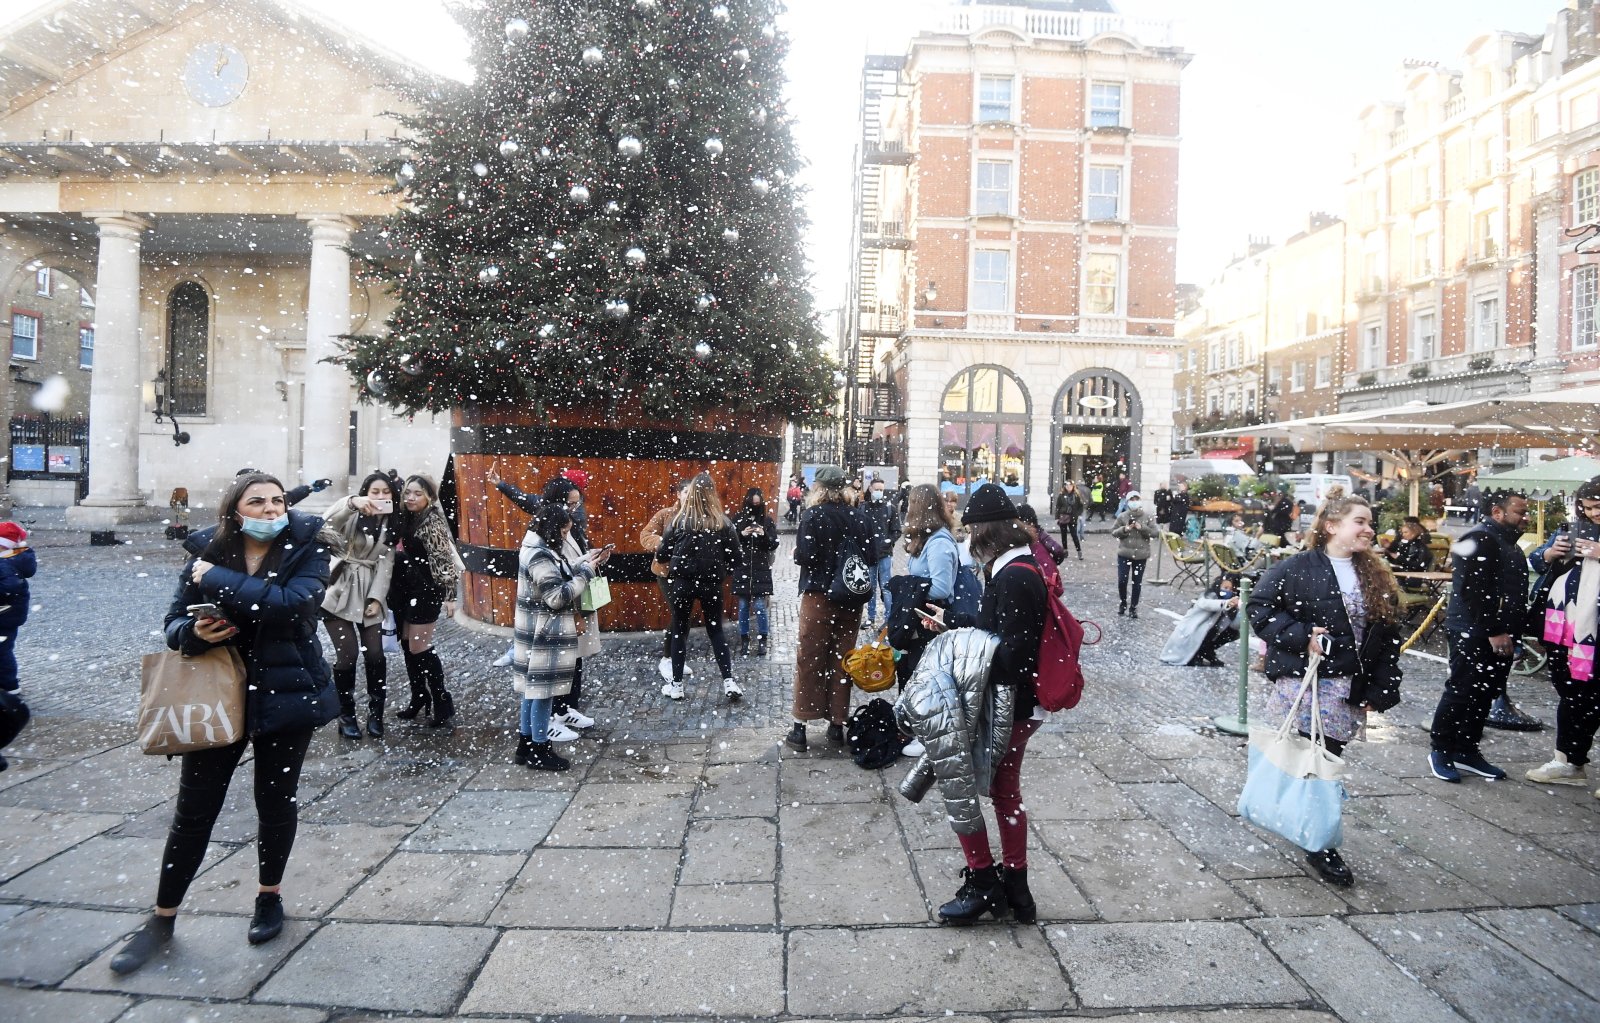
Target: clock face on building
<point x="215" y="74"/>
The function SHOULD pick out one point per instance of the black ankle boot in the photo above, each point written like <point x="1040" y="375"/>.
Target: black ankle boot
<point x="1122" y="608"/>
<point x="523" y="745"/>
<point x="377" y="696"/>
<point x="796" y="739"/>
<point x="744" y="646"/>
<point x="419" y="689"/>
<point x="1015" y="881"/>
<point x="979" y="893"/>
<point x="542" y="757"/>
<point x="344" y="684"/>
<point x="444" y="711"/>
<point x="761" y="645"/>
<point x="149" y="939"/>
<point x="267" y="921"/>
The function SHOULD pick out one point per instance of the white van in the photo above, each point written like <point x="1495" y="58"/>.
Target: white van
<point x="1312" y="487"/>
<point x="1230" y="469"/>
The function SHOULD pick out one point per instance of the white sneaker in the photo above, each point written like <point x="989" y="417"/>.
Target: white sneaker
<point x="575" y="718"/>
<point x="559" y="732"/>
<point x="672" y="690"/>
<point x="688" y="670"/>
<point x="505" y="659"/>
<point x="731" y="689"/>
<point x="665" y="668"/>
<point x="914" y="748"/>
<point x="1558" y="772"/>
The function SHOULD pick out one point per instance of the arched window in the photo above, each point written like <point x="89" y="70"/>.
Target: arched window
<point x="984" y="434"/>
<point x="188" y="348"/>
<point x="1098" y="434"/>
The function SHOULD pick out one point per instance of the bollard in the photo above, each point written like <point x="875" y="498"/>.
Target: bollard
<point x="1239" y="724"/>
<point x="1161" y="543"/>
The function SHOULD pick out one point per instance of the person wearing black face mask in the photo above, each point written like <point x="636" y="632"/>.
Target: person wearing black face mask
<point x="884" y="517"/>
<point x="752" y="577"/>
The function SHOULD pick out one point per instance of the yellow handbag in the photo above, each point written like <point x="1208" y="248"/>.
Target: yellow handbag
<point x="871" y="667"/>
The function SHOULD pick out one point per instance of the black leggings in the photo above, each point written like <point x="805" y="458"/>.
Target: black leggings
<point x="1069" y="534"/>
<point x="1130" y="569"/>
<point x="351" y="641"/>
<point x="678" y="632"/>
<point x="203" y="787"/>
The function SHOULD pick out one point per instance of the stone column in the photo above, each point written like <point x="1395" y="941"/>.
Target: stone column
<point x="117" y="386"/>
<point x="326" y="440"/>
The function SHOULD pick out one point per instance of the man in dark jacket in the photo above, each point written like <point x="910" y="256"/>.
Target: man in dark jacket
<point x="1178" y="514"/>
<point x="884" y="518"/>
<point x="1163" y="499"/>
<point x="1488" y="605"/>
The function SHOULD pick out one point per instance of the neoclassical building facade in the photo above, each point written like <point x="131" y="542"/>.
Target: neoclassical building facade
<point x="183" y="163"/>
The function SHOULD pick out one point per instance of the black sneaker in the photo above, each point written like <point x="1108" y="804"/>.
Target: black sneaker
<point x="1443" y="766"/>
<point x="1331" y="867"/>
<point x="836" y="734"/>
<point x="1473" y="763"/>
<point x="267" y="922"/>
<point x="796" y="739"/>
<point x="149" y="939"/>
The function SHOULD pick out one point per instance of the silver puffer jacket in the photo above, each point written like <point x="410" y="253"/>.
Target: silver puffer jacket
<point x="963" y="721"/>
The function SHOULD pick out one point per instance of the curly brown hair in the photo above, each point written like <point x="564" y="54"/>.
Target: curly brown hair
<point x="1378" y="588"/>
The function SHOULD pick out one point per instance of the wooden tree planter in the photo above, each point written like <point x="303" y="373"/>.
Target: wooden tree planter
<point x="632" y="462"/>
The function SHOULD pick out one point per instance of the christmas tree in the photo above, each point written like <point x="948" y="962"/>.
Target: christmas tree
<point x="606" y="215"/>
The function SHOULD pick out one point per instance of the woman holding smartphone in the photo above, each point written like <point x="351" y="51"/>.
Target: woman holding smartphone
<point x="423" y="585"/>
<point x="352" y="610"/>
<point x="700" y="549"/>
<point x="1566" y="604"/>
<point x="258" y="577"/>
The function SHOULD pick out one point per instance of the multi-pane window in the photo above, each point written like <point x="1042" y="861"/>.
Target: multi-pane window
<point x="1585" y="292"/>
<point x="1422" y="255"/>
<point x="1486" y="234"/>
<point x="994" y="188"/>
<point x="41" y="280"/>
<point x="1214" y="350"/>
<point x="1586" y="197"/>
<point x="1105" y="192"/>
<point x="1422" y="175"/>
<point x="1274" y="379"/>
<point x="86" y="346"/>
<point x="1101" y="273"/>
<point x="995" y="97"/>
<point x="1486" y="323"/>
<point x="991" y="281"/>
<point x="24" y="336"/>
<point x="1424" y="336"/>
<point x="188" y="348"/>
<point x="1297" y="376"/>
<point x="1372" y="353"/>
<point x="1324" y="371"/>
<point x="1105" y="104"/>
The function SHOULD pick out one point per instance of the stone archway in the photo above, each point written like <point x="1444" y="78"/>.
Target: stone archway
<point x="984" y="431"/>
<point x="1099" y="414"/>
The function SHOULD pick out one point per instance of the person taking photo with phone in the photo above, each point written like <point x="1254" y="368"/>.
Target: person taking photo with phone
<point x="1564" y="610"/>
<point x="354" y="605"/>
<point x="256" y="580"/>
<point x="422" y="587"/>
<point x="752" y="580"/>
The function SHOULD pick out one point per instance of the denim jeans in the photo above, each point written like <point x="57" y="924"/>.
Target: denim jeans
<point x="881" y="574"/>
<point x="535" y="720"/>
<point x="746" y="605"/>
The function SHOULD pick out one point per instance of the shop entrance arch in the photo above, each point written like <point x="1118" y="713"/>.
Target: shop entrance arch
<point x="1097" y="430"/>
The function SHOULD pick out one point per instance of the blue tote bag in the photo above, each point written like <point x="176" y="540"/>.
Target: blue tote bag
<point x="1294" y="786"/>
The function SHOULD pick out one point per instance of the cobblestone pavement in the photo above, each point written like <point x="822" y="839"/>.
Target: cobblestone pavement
<point x="690" y="866"/>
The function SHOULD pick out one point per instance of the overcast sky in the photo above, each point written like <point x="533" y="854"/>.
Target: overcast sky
<point x="1268" y="102"/>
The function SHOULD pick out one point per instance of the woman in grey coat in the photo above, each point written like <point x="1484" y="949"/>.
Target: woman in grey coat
<point x="353" y="607"/>
<point x="549" y="625"/>
<point x="1134" y="529"/>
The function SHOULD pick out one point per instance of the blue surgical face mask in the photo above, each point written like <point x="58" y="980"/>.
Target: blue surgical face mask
<point x="263" y="529"/>
<point x="1135" y="504"/>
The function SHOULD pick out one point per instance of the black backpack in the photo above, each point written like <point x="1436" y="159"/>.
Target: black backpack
<point x="873" y="736"/>
<point x="852" y="572"/>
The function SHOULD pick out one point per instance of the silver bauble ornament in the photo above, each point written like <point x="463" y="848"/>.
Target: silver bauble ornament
<point x="720" y="12"/>
<point x="705" y="301"/>
<point x="703" y="350"/>
<point x="617" y="309"/>
<point x="517" y="29"/>
<point x="418" y="257"/>
<point x="731" y="235"/>
<point x="741" y="55"/>
<point x="547" y="331"/>
<point x="714" y="146"/>
<point x="839" y="379"/>
<point x="406" y="174"/>
<point x="509" y="148"/>
<point x="647" y="6"/>
<point x="545" y="155"/>
<point x="558" y="247"/>
<point x="769" y="31"/>
<point x="612" y="207"/>
<point x="758" y="116"/>
<point x="579" y="195"/>
<point x="593" y="55"/>
<point x="489" y="274"/>
<point x="481" y="169"/>
<point x="376" y="383"/>
<point x="635" y="256"/>
<point x="411" y="366"/>
<point x="760" y="185"/>
<point x="629" y="146"/>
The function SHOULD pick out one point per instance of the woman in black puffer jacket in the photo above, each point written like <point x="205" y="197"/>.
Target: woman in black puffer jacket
<point x="266" y="568"/>
<point x="700" y="549"/>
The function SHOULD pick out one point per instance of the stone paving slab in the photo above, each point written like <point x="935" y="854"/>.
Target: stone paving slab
<point x="26" y="768"/>
<point x="1056" y="897"/>
<point x="403" y="967"/>
<point x="487" y="821"/>
<point x="624" y="815"/>
<point x="1224" y="844"/>
<point x="738" y="790"/>
<point x="729" y="851"/>
<point x="1355" y="979"/>
<point x="1291" y="896"/>
<point x="33" y="836"/>
<point x="695" y="974"/>
<point x="142" y="782"/>
<point x="160" y="1010"/>
<point x="815" y="780"/>
<point x="1390" y="877"/>
<point x="987" y="968"/>
<point x="1587" y="915"/>
<point x="433" y="888"/>
<point x="1136" y="870"/>
<point x="844" y="863"/>
<point x="1474" y="970"/>
<point x="1520" y="808"/>
<point x="1121" y="761"/>
<point x="391" y="791"/>
<point x="208" y="957"/>
<point x="102" y="871"/>
<point x="1220" y="781"/>
<point x="1564" y="948"/>
<point x="328" y="860"/>
<point x="592" y="888"/>
<point x="926" y="825"/>
<point x="24" y="1005"/>
<point x="725" y="905"/>
<point x="46" y="945"/>
<point x="1064" y="789"/>
<point x="1194" y="963"/>
<point x="1213" y="1016"/>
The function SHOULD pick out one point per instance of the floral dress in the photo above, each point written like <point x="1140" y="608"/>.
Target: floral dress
<point x="1342" y="721"/>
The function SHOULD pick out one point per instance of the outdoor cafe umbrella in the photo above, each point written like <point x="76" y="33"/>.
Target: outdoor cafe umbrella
<point x="1541" y="480"/>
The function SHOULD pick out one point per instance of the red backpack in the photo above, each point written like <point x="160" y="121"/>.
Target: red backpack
<point x="1060" y="681"/>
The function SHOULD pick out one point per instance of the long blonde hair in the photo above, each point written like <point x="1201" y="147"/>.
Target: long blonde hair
<point x="701" y="508"/>
<point x="925" y="516"/>
<point x="1378" y="589"/>
<point x="821" y="494"/>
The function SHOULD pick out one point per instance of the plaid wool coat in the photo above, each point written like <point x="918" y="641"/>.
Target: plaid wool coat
<point x="548" y="593"/>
